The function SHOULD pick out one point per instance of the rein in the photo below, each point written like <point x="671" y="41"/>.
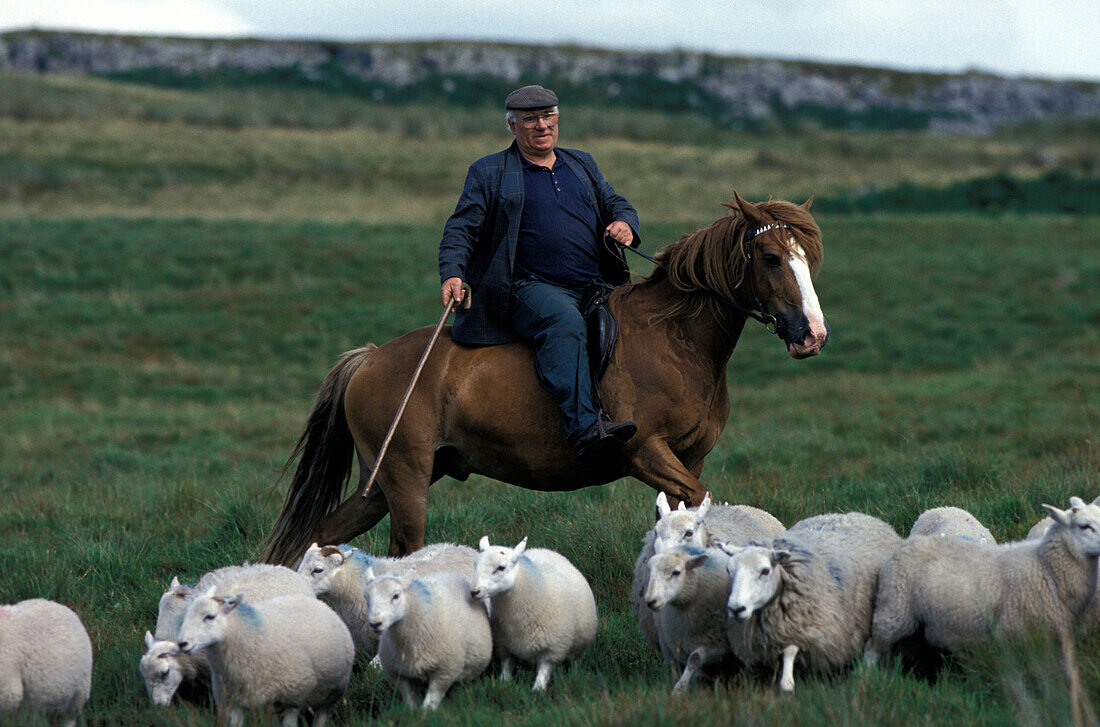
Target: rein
<point x="762" y="316"/>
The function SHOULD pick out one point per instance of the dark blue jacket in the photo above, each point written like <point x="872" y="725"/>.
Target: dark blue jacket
<point x="479" y="239"/>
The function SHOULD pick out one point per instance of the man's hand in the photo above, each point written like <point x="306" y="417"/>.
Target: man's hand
<point x="452" y="290"/>
<point x="621" y="232"/>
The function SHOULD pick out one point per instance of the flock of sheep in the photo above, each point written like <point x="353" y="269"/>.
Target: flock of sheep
<point x="716" y="588"/>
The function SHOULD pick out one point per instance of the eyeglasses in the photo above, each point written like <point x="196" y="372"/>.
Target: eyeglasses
<point x="532" y="120"/>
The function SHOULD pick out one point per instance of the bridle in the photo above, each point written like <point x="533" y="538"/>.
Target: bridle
<point x="759" y="313"/>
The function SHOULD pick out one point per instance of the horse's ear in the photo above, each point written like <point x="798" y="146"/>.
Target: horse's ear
<point x="748" y="209"/>
<point x="806" y="205"/>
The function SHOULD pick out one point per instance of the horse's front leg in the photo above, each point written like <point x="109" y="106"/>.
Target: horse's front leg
<point x="655" y="464"/>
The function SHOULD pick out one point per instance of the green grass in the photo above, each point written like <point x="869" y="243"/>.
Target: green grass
<point x="74" y="147"/>
<point x="154" y="374"/>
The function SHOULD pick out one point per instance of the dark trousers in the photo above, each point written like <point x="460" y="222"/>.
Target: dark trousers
<point x="549" y="317"/>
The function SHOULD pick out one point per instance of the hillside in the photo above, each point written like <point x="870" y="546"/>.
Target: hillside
<point x="738" y="93"/>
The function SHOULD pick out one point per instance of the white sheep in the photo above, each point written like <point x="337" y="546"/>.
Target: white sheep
<point x="809" y="593"/>
<point x="951" y="522"/>
<point x="687" y="591"/>
<point x="339" y="576"/>
<point x="163" y="666"/>
<point x="432" y="632"/>
<point x="543" y="610"/>
<point x="959" y="591"/>
<point x="701" y="527"/>
<point x="1039" y="529"/>
<point x="45" y="660"/>
<point x="287" y="653"/>
<point x="708" y="524"/>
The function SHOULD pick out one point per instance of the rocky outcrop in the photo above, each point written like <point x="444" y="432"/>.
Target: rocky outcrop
<point x="736" y="91"/>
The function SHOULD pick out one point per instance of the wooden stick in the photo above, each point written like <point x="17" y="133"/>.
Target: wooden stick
<point x="408" y="392"/>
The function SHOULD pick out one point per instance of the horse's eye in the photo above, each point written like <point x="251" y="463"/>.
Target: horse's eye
<point x="772" y="260"/>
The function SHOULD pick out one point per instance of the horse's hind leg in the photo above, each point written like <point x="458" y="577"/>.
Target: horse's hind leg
<point x="355" y="516"/>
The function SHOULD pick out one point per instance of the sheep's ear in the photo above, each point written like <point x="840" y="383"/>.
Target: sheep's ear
<point x="210" y="592"/>
<point x="483" y="544"/>
<point x="518" y="550"/>
<point x="704" y="507"/>
<point x="662" y="504"/>
<point x="149" y="640"/>
<point x="1057" y="515"/>
<point x="681" y="506"/>
<point x="781" y="557"/>
<point x="408" y="577"/>
<point x="231" y="602"/>
<point x="175" y="582"/>
<point x="727" y="548"/>
<point x="314" y="546"/>
<point x="347" y="553"/>
<point x="369" y="575"/>
<point x="1095" y="501"/>
<point x="1075" y="504"/>
<point x="697" y="560"/>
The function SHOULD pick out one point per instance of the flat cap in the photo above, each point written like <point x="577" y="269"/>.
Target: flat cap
<point x="531" y="97"/>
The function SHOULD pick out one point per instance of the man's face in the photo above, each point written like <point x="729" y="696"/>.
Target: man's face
<point x="536" y="130"/>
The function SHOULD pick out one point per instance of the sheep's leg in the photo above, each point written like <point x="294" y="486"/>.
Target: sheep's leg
<point x="320" y="718"/>
<point x="437" y="689"/>
<point x="408" y="691"/>
<point x="507" y="667"/>
<point x="872" y="652"/>
<point x="543" y="674"/>
<point x="786" y="681"/>
<point x="234" y="717"/>
<point x="695" y="662"/>
<point x="290" y="718"/>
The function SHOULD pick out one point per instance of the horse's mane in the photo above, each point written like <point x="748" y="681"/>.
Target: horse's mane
<point x="712" y="259"/>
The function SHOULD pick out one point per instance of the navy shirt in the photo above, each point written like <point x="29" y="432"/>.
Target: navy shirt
<point x="559" y="230"/>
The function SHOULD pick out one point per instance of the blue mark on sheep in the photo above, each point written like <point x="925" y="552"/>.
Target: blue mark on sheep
<point x="421" y="590"/>
<point x="837" y="573"/>
<point x="250" y="614"/>
<point x="361" y="559"/>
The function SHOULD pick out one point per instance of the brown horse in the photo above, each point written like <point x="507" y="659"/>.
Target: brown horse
<point x="482" y="410"/>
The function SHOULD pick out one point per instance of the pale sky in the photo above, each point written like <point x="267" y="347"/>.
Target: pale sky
<point x="1043" y="38"/>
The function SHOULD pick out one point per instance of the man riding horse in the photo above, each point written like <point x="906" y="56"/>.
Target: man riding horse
<point x="527" y="235"/>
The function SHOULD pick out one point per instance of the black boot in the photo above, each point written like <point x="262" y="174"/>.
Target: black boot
<point x="602" y="440"/>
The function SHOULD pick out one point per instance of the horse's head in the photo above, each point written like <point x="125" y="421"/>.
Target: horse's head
<point x="781" y="247"/>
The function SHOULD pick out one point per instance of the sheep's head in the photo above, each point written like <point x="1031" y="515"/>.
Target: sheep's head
<point x="668" y="571"/>
<point x="755" y="578"/>
<point x="1081" y="521"/>
<point x="495" y="568"/>
<point x="207" y="620"/>
<point x="160" y="667"/>
<point x="387" y="598"/>
<point x="173" y="606"/>
<point x="681" y="526"/>
<point x="320" y="565"/>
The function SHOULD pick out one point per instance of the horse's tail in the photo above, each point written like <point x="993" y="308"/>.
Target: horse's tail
<point x="326" y="450"/>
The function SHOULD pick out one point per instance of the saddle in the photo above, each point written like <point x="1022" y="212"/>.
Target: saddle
<point x="603" y="333"/>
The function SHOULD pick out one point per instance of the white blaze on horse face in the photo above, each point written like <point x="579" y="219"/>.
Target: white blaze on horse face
<point x="811" y="307"/>
<point x="754" y="580"/>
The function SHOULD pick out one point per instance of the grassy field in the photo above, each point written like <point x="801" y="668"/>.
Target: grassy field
<point x="160" y="348"/>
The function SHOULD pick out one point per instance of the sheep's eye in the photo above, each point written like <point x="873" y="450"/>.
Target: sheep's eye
<point x="688" y="534"/>
<point x="676" y="573"/>
<point x="208" y="617"/>
<point x="317" y="570"/>
<point x="395" y="596"/>
<point x="1086" y="527"/>
<point x="499" y="569"/>
<point x="163" y="675"/>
